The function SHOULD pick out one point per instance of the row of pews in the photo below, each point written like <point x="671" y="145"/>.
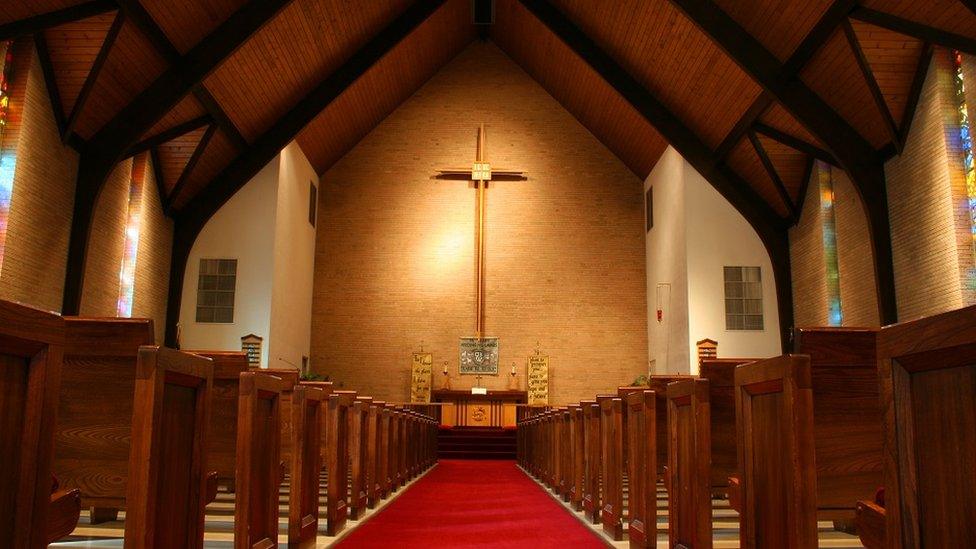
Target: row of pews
<point x="95" y="417"/>
<point x="871" y="429"/>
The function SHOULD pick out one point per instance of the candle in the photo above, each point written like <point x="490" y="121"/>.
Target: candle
<point x="513" y="368"/>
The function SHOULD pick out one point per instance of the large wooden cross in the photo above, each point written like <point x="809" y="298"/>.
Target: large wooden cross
<point x="480" y="173"/>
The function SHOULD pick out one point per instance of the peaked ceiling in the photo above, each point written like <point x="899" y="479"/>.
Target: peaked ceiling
<point x="250" y="75"/>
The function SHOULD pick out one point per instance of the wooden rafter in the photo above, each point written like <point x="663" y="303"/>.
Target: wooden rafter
<point x="188" y="169"/>
<point x="96" y="69"/>
<point x="784" y="195"/>
<point x="758" y="107"/>
<point x="768" y="224"/>
<point x="37" y="23"/>
<point x="168" y="135"/>
<point x="915" y="92"/>
<point x="868" y="74"/>
<point x="915" y="30"/>
<point x="804" y="187"/>
<point x="861" y="161"/>
<point x="194" y="216"/>
<point x="158" y="175"/>
<point x="53" y="92"/>
<point x="795" y="143"/>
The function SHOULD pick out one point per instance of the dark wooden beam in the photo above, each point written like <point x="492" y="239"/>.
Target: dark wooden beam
<point x="795" y="143"/>
<point x="109" y="144"/>
<point x="219" y="116"/>
<point x="168" y="135"/>
<point x="37" y="23"/>
<point x="804" y="188"/>
<point x="158" y="175"/>
<point x="96" y="69"/>
<point x="770" y="227"/>
<point x="188" y="169"/>
<point x="915" y="92"/>
<point x="879" y="101"/>
<point x="745" y="122"/>
<point x="194" y="216"/>
<point x="53" y="92"/>
<point x="855" y="154"/>
<point x="784" y="195"/>
<point x="916" y="30"/>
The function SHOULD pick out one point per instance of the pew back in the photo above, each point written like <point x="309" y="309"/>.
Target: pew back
<point x="689" y="459"/>
<point x="612" y="469"/>
<point x="337" y="503"/>
<point x="307" y="416"/>
<point x="258" y="473"/>
<point x="642" y="469"/>
<point x="222" y="437"/>
<point x="720" y="373"/>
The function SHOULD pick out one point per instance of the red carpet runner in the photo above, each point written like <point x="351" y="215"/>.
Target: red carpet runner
<point x="473" y="504"/>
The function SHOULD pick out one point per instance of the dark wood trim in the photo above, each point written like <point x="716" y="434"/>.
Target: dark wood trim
<point x="795" y="143"/>
<point x="32" y="25"/>
<point x="188" y="169"/>
<point x="835" y="15"/>
<point x="158" y="175"/>
<point x="249" y="162"/>
<point x="868" y="75"/>
<point x="218" y="114"/>
<point x="784" y="195"/>
<point x="768" y="224"/>
<point x="96" y="69"/>
<point x="915" y="92"/>
<point x="915" y="30"/>
<point x="804" y="188"/>
<point x="758" y="107"/>
<point x="168" y="135"/>
<point x="53" y="92"/>
<point x="855" y="154"/>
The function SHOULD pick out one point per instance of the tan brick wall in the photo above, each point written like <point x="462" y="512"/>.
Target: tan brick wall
<point x="101" y="290"/>
<point x="807" y="262"/>
<point x="565" y="249"/>
<point x="924" y="204"/>
<point x="39" y="222"/>
<point x="152" y="263"/>
<point x="855" y="257"/>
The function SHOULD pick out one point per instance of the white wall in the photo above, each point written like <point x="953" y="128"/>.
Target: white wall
<point x="696" y="233"/>
<point x="265" y="227"/>
<point x="294" y="262"/>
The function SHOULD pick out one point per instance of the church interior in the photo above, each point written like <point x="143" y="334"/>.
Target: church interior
<point x="487" y="273"/>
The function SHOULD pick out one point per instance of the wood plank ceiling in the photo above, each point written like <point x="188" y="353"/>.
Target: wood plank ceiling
<point x="103" y="58"/>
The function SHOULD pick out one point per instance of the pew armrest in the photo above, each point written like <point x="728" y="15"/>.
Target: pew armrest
<point x="211" y="487"/>
<point x="870" y="521"/>
<point x="62" y="514"/>
<point x="735" y="494"/>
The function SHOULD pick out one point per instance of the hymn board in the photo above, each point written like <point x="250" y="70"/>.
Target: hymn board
<point x="479" y="354"/>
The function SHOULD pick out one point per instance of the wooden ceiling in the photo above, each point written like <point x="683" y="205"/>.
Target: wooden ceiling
<point x="325" y="72"/>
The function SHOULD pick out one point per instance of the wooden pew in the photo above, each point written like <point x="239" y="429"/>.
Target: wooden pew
<point x="31" y="352"/>
<point x="591" y="449"/>
<point x="659" y="384"/>
<point x="774" y="435"/>
<point x="166" y="493"/>
<point x="337" y="502"/>
<point x="642" y="469"/>
<point x="258" y="474"/>
<point x="689" y="460"/>
<point x="307" y="419"/>
<point x="720" y="373"/>
<point x="928" y="382"/>
<point x="384" y="434"/>
<point x="611" y="453"/>
<point x="374" y="450"/>
<point x="566" y="454"/>
<point x="63" y="511"/>
<point x="358" y="467"/>
<point x="222" y="436"/>
<point x="578" y="457"/>
<point x="326" y="387"/>
<point x="95" y="407"/>
<point x="289" y="378"/>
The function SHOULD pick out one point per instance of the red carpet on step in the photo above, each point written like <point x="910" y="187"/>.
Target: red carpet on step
<point x="473" y="504"/>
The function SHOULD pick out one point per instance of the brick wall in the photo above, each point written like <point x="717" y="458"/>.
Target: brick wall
<point x="855" y="257"/>
<point x="152" y="264"/>
<point x="39" y="222"/>
<point x="565" y="249"/>
<point x="807" y="262"/>
<point x="100" y="294"/>
<point x="924" y="203"/>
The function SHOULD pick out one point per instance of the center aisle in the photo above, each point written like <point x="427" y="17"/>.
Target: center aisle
<point x="473" y="504"/>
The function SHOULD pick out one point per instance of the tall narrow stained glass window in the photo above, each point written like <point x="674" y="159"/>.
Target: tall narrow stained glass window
<point x="966" y="140"/>
<point x="127" y="273"/>
<point x="825" y="180"/>
<point x="8" y="158"/>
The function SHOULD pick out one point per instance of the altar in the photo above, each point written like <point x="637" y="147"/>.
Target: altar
<point x="464" y="409"/>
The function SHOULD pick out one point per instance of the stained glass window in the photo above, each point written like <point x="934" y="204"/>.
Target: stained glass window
<point x="127" y="274"/>
<point x="966" y="140"/>
<point x="7" y="157"/>
<point x="825" y="179"/>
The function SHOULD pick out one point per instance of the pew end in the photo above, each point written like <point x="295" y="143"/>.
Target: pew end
<point x="211" y="487"/>
<point x="734" y="494"/>
<point x="63" y="513"/>
<point x="870" y="522"/>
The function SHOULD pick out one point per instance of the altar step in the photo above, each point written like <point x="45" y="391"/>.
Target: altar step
<point x="476" y="443"/>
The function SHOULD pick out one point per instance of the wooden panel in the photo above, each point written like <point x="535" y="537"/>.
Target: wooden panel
<point x="308" y="418"/>
<point x="893" y="59"/>
<point x="185" y="22"/>
<point x="780" y="25"/>
<point x="745" y="161"/>
<point x="73" y="48"/>
<point x="790" y="164"/>
<point x="184" y="111"/>
<point x="833" y="74"/>
<point x="689" y="464"/>
<point x="928" y="380"/>
<point x="720" y="373"/>
<point x="130" y="67"/>
<point x="777" y="117"/>
<point x="305" y="43"/>
<point x="642" y="469"/>
<point x="950" y="15"/>
<point x="611" y="450"/>
<point x="218" y="154"/>
<point x="173" y="156"/>
<point x="15" y="11"/>
<point x="385" y="85"/>
<point x="578" y="88"/>
<point x="338" y="460"/>
<point x="221" y="449"/>
<point x="672" y="58"/>
<point x="258" y="470"/>
<point x="591" y="443"/>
